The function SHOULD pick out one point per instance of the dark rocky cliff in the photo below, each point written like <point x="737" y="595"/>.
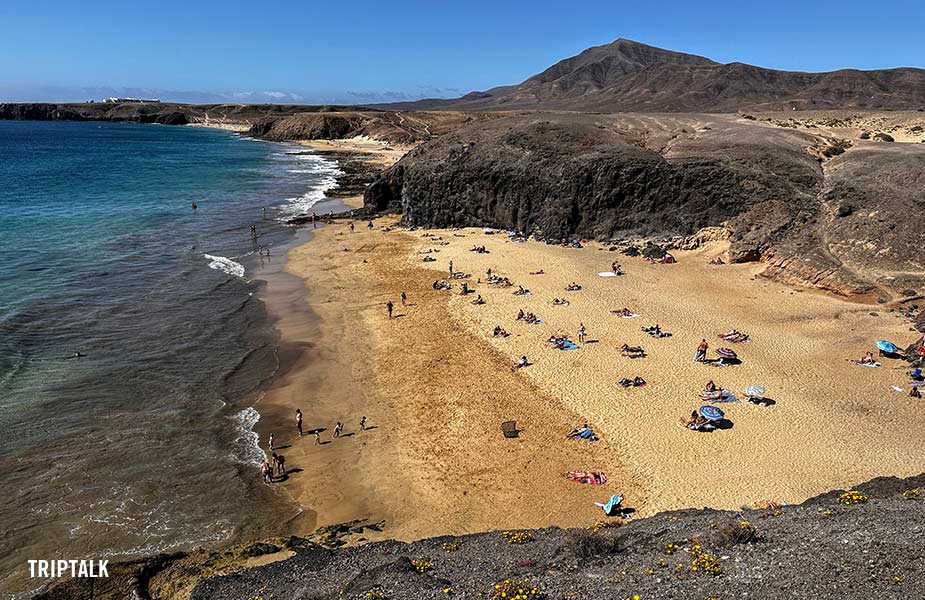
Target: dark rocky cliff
<point x="823" y="548"/>
<point x="564" y="175"/>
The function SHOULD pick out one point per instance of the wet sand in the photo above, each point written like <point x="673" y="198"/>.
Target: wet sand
<point x="436" y="386"/>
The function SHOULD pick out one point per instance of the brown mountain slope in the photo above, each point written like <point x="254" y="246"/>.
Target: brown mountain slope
<point x="628" y="76"/>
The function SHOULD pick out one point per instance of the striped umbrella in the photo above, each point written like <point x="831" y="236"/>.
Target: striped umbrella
<point x="726" y="352"/>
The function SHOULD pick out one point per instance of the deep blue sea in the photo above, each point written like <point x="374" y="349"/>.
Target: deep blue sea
<point x="143" y="442"/>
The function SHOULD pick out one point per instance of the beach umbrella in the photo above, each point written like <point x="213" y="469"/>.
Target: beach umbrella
<point x="726" y="352"/>
<point x="711" y="412"/>
<point x="755" y="391"/>
<point x="888" y="347"/>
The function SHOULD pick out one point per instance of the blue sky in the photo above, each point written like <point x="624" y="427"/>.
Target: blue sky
<point x="358" y="51"/>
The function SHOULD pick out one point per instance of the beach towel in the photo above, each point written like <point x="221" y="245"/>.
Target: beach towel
<point x="725" y="396"/>
<point x="587" y="434"/>
<point x="631" y="316"/>
<point x="537" y="322"/>
<point x="864" y="364"/>
<point x="607" y="274"/>
<point x="612" y="507"/>
<point x="568" y="345"/>
<point x="587" y="477"/>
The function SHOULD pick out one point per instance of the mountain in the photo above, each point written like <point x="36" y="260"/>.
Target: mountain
<point x="627" y="76"/>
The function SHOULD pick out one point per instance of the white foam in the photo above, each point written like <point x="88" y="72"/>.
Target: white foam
<point x="247" y="441"/>
<point x="325" y="173"/>
<point x="225" y="265"/>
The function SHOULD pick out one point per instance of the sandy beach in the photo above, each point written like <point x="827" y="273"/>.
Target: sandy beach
<point x="435" y="386"/>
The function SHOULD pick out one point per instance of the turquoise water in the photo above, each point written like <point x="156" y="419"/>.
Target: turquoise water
<point x="143" y="442"/>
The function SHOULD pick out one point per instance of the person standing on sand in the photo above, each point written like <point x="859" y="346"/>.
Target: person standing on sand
<point x="314" y="224"/>
<point x="390" y="307"/>
<point x="363" y="423"/>
<point x="352" y="228"/>
<point x="266" y="471"/>
<point x="701" y="354"/>
<point x="280" y="465"/>
<point x="317" y="438"/>
<point x="338" y="429"/>
<point x="404" y="298"/>
<point x="298" y="420"/>
<point x="581" y="333"/>
<point x="369" y="225"/>
<point x="272" y="439"/>
<point x="451" y="268"/>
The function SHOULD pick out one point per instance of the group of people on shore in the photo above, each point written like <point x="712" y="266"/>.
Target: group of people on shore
<point x="274" y="469"/>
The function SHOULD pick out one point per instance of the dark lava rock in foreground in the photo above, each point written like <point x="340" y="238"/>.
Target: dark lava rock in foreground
<point x="822" y="549"/>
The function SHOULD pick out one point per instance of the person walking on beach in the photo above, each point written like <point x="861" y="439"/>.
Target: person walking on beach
<point x="369" y="225"/>
<point x="317" y="438"/>
<point x="267" y="472"/>
<point x="280" y="465"/>
<point x="451" y="268"/>
<point x="314" y="224"/>
<point x="404" y="298"/>
<point x="363" y="423"/>
<point x="272" y="439"/>
<point x="390" y="307"/>
<point x="338" y="429"/>
<point x="581" y="333"/>
<point x="352" y="228"/>
<point x="298" y="420"/>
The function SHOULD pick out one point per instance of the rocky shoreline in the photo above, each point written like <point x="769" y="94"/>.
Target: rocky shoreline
<point x="845" y="545"/>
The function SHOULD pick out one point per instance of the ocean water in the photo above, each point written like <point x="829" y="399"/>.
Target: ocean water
<point x="144" y="442"/>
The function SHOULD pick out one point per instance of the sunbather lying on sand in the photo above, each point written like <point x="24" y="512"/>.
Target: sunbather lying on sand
<point x="697" y="422"/>
<point x="478" y="300"/>
<point x="430" y="259"/>
<point x="634" y="382"/>
<point x="521" y="363"/>
<point x="735" y="336"/>
<point x="521" y="291"/>
<point x="583" y="432"/>
<point x="632" y="351"/>
<point x="560" y="302"/>
<point x="479" y="249"/>
<point x="558" y="343"/>
<point x="502" y="281"/>
<point x="540" y="272"/>
<point x="572" y="287"/>
<point x="717" y="261"/>
<point x="442" y="285"/>
<point x="624" y="312"/>
<point x="500" y="332"/>
<point x="656" y="331"/>
<point x="867" y="360"/>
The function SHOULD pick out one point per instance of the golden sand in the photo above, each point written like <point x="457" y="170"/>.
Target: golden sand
<point x="436" y="386"/>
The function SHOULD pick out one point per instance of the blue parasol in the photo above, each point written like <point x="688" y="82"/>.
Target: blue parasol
<point x="711" y="412"/>
<point x="888" y="347"/>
